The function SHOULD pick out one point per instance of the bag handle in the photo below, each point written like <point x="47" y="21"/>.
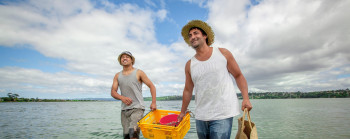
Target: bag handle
<point x="249" y="120"/>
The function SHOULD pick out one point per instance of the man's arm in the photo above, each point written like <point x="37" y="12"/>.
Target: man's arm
<point x="148" y="82"/>
<point x="234" y="69"/>
<point x="187" y="93"/>
<point x="115" y="94"/>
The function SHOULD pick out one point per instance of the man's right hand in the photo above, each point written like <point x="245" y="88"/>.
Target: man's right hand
<point x="180" y="117"/>
<point x="126" y="101"/>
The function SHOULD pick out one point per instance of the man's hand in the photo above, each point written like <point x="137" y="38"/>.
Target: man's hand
<point x="246" y="104"/>
<point x="180" y="117"/>
<point x="153" y="106"/>
<point x="126" y="100"/>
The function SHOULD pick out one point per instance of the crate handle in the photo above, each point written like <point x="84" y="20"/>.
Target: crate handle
<point x="191" y="113"/>
<point x="144" y="116"/>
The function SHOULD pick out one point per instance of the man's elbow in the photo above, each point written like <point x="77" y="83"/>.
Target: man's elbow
<point x="238" y="76"/>
<point x="113" y="94"/>
<point x="153" y="89"/>
<point x="151" y="86"/>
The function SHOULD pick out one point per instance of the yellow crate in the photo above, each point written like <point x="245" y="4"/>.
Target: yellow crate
<point x="151" y="128"/>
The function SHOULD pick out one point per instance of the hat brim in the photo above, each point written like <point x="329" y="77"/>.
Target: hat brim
<point x="200" y="24"/>
<point x="132" y="58"/>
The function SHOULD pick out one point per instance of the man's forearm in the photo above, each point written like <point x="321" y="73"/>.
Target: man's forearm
<point x="115" y="95"/>
<point x="243" y="86"/>
<point x="186" y="98"/>
<point x="153" y="93"/>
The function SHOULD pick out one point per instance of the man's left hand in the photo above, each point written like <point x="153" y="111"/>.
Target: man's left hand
<point x="246" y="104"/>
<point x="153" y="106"/>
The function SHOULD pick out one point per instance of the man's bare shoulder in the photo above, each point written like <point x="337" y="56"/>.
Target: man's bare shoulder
<point x="116" y="75"/>
<point x="139" y="71"/>
<point x="188" y="66"/>
<point x="224" y="51"/>
<point x="140" y="74"/>
<point x="188" y="62"/>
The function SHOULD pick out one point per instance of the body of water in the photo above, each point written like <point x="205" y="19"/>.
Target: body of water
<point x="274" y="118"/>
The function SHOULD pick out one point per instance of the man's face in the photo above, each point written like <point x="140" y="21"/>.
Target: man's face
<point x="125" y="60"/>
<point x="196" y="38"/>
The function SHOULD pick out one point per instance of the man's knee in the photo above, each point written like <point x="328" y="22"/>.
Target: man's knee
<point x="220" y="135"/>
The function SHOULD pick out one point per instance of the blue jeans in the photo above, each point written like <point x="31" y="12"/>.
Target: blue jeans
<point x="217" y="129"/>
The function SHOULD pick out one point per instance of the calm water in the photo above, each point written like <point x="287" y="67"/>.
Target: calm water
<point x="279" y="118"/>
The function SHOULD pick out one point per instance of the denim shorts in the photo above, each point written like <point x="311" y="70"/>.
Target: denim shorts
<point x="216" y="129"/>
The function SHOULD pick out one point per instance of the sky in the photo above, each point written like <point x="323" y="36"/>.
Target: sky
<point x="68" y="49"/>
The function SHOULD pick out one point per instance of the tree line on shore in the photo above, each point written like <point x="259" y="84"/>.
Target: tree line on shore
<point x="13" y="97"/>
<point x="341" y="93"/>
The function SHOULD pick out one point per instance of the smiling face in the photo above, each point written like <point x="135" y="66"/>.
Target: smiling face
<point x="196" y="38"/>
<point x="126" y="60"/>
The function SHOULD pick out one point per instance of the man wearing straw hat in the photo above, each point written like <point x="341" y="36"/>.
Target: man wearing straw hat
<point x="130" y="82"/>
<point x="208" y="75"/>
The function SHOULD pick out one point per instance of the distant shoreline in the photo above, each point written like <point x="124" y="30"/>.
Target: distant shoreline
<point x="342" y="93"/>
<point x="6" y="99"/>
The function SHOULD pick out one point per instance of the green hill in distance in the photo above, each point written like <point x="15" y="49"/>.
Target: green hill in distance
<point x="341" y="93"/>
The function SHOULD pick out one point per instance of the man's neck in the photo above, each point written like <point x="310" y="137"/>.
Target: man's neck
<point x="202" y="50"/>
<point x="128" y="68"/>
<point x="203" y="53"/>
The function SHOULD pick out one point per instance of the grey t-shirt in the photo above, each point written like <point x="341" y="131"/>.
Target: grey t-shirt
<point x="130" y="87"/>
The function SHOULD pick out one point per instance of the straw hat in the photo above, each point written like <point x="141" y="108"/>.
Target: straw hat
<point x="200" y="24"/>
<point x="127" y="53"/>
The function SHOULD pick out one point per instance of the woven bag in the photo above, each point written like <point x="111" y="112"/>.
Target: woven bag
<point x="246" y="128"/>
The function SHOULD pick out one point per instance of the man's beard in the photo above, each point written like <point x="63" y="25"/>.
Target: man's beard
<point x="195" y="46"/>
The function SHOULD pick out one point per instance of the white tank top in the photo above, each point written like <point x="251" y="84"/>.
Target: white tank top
<point x="215" y="95"/>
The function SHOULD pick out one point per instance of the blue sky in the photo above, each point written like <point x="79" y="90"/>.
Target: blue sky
<point x="68" y="49"/>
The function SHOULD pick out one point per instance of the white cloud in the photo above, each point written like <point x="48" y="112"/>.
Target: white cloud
<point x="162" y="14"/>
<point x="36" y="81"/>
<point x="279" y="45"/>
<point x="285" y="45"/>
<point x="89" y="40"/>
